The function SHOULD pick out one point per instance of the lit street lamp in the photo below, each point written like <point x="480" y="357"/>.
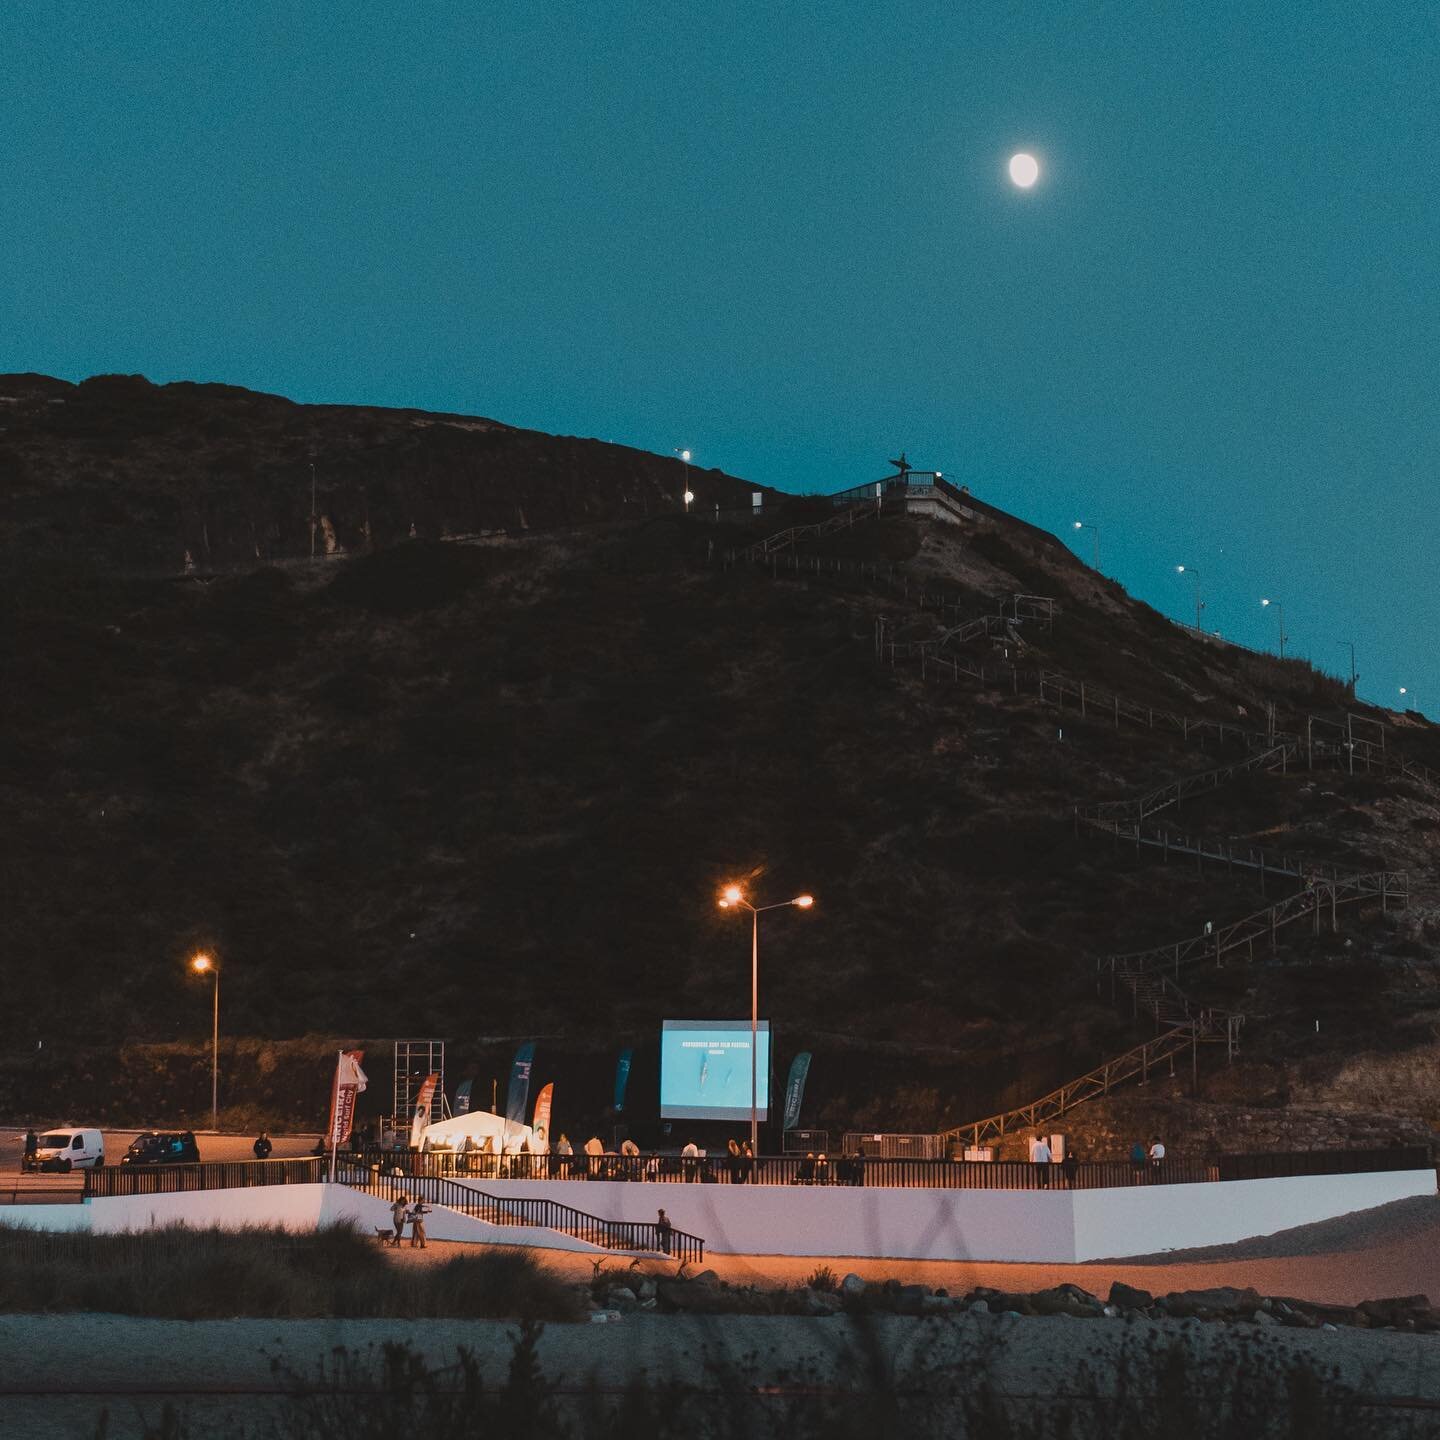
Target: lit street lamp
<point x="689" y="496"/>
<point x="1194" y="574"/>
<point x="733" y="898"/>
<point x="1094" y="537"/>
<point x="1280" y="612"/>
<point x="202" y="964"/>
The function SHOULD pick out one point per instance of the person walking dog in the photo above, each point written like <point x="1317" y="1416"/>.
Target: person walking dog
<point x="398" y="1212"/>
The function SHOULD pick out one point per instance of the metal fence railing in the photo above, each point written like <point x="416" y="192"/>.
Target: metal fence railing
<point x="453" y="1179"/>
<point x="110" y="1182"/>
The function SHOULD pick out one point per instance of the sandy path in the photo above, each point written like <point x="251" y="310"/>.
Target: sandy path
<point x="1392" y="1250"/>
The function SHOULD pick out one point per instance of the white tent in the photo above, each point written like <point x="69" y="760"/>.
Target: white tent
<point x="480" y="1127"/>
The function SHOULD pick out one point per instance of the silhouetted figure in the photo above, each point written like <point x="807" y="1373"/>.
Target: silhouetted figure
<point x="664" y="1231"/>
<point x="32" y="1147"/>
<point x="262" y="1146"/>
<point x="1070" y="1167"/>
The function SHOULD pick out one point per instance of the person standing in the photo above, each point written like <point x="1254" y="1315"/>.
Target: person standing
<point x="32" y="1147"/>
<point x="1137" y="1161"/>
<point x="747" y="1155"/>
<point x="1157" y="1157"/>
<point x="690" y="1157"/>
<point x="664" y="1231"/>
<point x="1070" y="1167"/>
<point x="418" y="1211"/>
<point x="398" y="1211"/>
<point x="1040" y="1156"/>
<point x="733" y="1162"/>
<point x="262" y="1146"/>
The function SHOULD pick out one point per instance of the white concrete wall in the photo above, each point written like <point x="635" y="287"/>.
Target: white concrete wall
<point x="832" y="1220"/>
<point x="1146" y="1219"/>
<point x="1056" y="1226"/>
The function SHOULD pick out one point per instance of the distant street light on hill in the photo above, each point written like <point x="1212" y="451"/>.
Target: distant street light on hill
<point x="733" y="898"/>
<point x="689" y="496"/>
<point x="1095" y="540"/>
<point x="1280" y="612"/>
<point x="1194" y="574"/>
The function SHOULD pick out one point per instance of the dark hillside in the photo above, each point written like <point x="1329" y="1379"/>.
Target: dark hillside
<point x="491" y="789"/>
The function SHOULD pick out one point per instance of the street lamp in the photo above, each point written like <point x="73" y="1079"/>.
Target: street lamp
<point x="1194" y="574"/>
<point x="202" y="964"/>
<point x="1280" y="612"/>
<point x="689" y="497"/>
<point x="1353" y="676"/>
<point x="733" y="898"/>
<point x="1095" y="539"/>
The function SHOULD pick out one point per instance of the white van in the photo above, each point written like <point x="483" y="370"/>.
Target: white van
<point x="70" y="1149"/>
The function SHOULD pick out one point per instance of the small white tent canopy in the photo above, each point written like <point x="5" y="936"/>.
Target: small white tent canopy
<point x="480" y="1127"/>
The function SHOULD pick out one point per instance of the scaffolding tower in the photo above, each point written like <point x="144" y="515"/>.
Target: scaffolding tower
<point x="414" y="1060"/>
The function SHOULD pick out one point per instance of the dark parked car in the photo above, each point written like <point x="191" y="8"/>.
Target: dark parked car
<point x="167" y="1147"/>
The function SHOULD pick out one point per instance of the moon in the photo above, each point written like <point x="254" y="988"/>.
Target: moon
<point x="1024" y="170"/>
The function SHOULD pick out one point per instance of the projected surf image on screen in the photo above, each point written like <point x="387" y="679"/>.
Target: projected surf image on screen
<point x="705" y="1069"/>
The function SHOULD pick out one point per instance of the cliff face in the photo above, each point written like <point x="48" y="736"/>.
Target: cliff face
<point x="207" y="477"/>
<point x="489" y="791"/>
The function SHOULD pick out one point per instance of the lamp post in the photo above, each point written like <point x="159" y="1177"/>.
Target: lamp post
<point x="202" y="964"/>
<point x="1280" y="613"/>
<point x="689" y="497"/>
<point x="312" y="510"/>
<point x="1194" y="574"/>
<point x="733" y="898"/>
<point x="1094" y="537"/>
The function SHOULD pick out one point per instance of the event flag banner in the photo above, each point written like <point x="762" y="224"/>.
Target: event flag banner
<point x="349" y="1082"/>
<point x="795" y="1089"/>
<point x="622" y="1078"/>
<point x="541" y="1125"/>
<point x="462" y="1096"/>
<point x="423" y="1101"/>
<point x="518" y="1096"/>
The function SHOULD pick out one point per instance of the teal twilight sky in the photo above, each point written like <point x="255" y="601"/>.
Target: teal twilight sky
<point x="783" y="235"/>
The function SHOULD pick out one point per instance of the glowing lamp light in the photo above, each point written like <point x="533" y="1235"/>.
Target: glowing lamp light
<point x="1080" y="525"/>
<point x="685" y="456"/>
<point x="689" y="497"/>
<point x="731" y="895"/>
<point x="202" y="963"/>
<point x="1404" y="691"/>
<point x="803" y="901"/>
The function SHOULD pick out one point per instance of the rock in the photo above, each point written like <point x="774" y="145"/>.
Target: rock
<point x="819" y="1302"/>
<point x="1394" y="1311"/>
<point x="910" y="1299"/>
<point x="1219" y="1303"/>
<point x="705" y="1277"/>
<point x="1127" y="1297"/>
<point x="940" y="1305"/>
<point x="1264" y="1317"/>
<point x="1328" y="1326"/>
<point x="621" y="1293"/>
<point x="1110" y="1311"/>
<point x="1068" y="1300"/>
<point x="978" y="1307"/>
<point x="647" y="1289"/>
<point x="679" y="1297"/>
<point x="605" y="1317"/>
<point x="852" y="1287"/>
<point x="648" y="1304"/>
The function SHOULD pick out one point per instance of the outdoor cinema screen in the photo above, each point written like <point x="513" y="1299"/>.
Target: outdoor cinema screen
<point x="705" y="1070"/>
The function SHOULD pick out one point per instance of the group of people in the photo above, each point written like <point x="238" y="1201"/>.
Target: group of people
<point x="1146" y="1162"/>
<point x="406" y="1211"/>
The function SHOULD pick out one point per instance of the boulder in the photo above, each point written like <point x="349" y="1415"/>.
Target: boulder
<point x="910" y="1299"/>
<point x="1127" y="1297"/>
<point x="1396" y="1310"/>
<point x="977" y="1307"/>
<point x="622" y="1298"/>
<point x="852" y="1287"/>
<point x="941" y="1305"/>
<point x="1066" y="1300"/>
<point x="647" y="1289"/>
<point x="1222" y="1302"/>
<point x="1264" y="1317"/>
<point x="684" y="1298"/>
<point x="705" y="1277"/>
<point x="818" y="1302"/>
